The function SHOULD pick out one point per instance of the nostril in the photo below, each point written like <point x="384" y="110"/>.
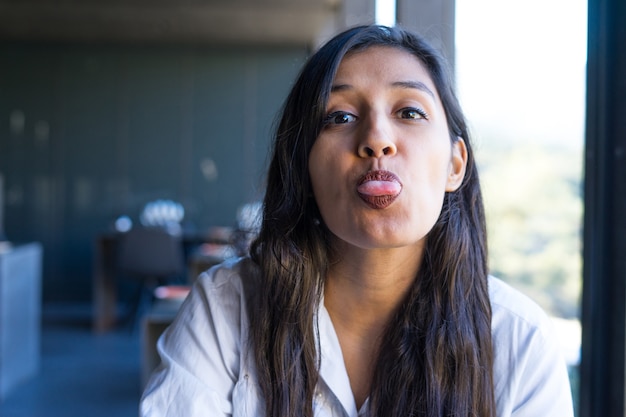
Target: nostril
<point x="375" y="152"/>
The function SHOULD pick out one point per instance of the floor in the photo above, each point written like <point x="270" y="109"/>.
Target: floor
<point x="82" y="373"/>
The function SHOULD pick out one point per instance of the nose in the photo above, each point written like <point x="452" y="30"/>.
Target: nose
<point x="376" y="138"/>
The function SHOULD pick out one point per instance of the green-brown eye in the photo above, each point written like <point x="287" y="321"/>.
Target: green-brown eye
<point x="413" y="113"/>
<point x="339" y="118"/>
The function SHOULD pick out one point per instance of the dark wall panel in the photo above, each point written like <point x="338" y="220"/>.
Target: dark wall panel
<point x="91" y="132"/>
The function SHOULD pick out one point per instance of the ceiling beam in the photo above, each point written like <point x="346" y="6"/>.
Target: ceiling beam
<point x="270" y="22"/>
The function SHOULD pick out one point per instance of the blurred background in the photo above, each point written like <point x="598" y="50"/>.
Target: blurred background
<point x="126" y="115"/>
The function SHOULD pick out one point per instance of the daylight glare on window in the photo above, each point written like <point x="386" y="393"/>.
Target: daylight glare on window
<point x="520" y="70"/>
<point x="386" y="12"/>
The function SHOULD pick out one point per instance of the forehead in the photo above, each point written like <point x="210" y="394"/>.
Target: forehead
<point x="383" y="62"/>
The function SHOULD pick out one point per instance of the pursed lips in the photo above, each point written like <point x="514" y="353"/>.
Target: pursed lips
<point x="379" y="188"/>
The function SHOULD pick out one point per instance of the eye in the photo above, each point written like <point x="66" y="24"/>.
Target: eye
<point x="339" y="118"/>
<point x="413" y="113"/>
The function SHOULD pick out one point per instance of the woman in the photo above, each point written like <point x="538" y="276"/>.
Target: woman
<point x="366" y="292"/>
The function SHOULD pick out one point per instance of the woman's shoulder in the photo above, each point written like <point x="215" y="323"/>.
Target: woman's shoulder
<point x="530" y="376"/>
<point x="520" y="328"/>
<point x="215" y="311"/>
<point x="517" y="319"/>
<point x="222" y="293"/>
<point x="234" y="276"/>
<point x="204" y="351"/>
<point x="511" y="307"/>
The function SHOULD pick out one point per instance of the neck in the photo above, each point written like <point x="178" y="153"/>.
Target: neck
<point x="361" y="293"/>
<point x="365" y="287"/>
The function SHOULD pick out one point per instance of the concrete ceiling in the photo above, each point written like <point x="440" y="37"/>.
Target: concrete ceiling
<point x="196" y="21"/>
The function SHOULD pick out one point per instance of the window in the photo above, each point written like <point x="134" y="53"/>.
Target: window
<point x="520" y="69"/>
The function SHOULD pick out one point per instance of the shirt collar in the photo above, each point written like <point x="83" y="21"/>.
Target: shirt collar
<point x="332" y="367"/>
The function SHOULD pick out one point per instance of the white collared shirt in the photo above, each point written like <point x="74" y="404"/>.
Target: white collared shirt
<point x="208" y="367"/>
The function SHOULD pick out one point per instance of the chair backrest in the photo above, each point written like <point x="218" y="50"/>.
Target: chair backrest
<point x="151" y="251"/>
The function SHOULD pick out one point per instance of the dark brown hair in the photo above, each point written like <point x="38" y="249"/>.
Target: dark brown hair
<point x="436" y="358"/>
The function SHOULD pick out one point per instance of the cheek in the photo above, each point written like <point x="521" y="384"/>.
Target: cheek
<point x="320" y="167"/>
<point x="430" y="179"/>
<point x="316" y="162"/>
<point x="326" y="165"/>
<point x="325" y="183"/>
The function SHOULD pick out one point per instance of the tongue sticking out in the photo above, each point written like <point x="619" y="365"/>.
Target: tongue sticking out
<point x="379" y="188"/>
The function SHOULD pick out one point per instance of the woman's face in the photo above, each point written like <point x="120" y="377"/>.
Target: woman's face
<point x="384" y="158"/>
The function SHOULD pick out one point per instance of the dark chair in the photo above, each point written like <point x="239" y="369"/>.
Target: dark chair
<point x="153" y="256"/>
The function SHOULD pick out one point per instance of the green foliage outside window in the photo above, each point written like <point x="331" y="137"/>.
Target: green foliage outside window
<point x="534" y="207"/>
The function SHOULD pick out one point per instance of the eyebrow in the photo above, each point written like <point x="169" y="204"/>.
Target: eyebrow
<point x="340" y="87"/>
<point x="417" y="85"/>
